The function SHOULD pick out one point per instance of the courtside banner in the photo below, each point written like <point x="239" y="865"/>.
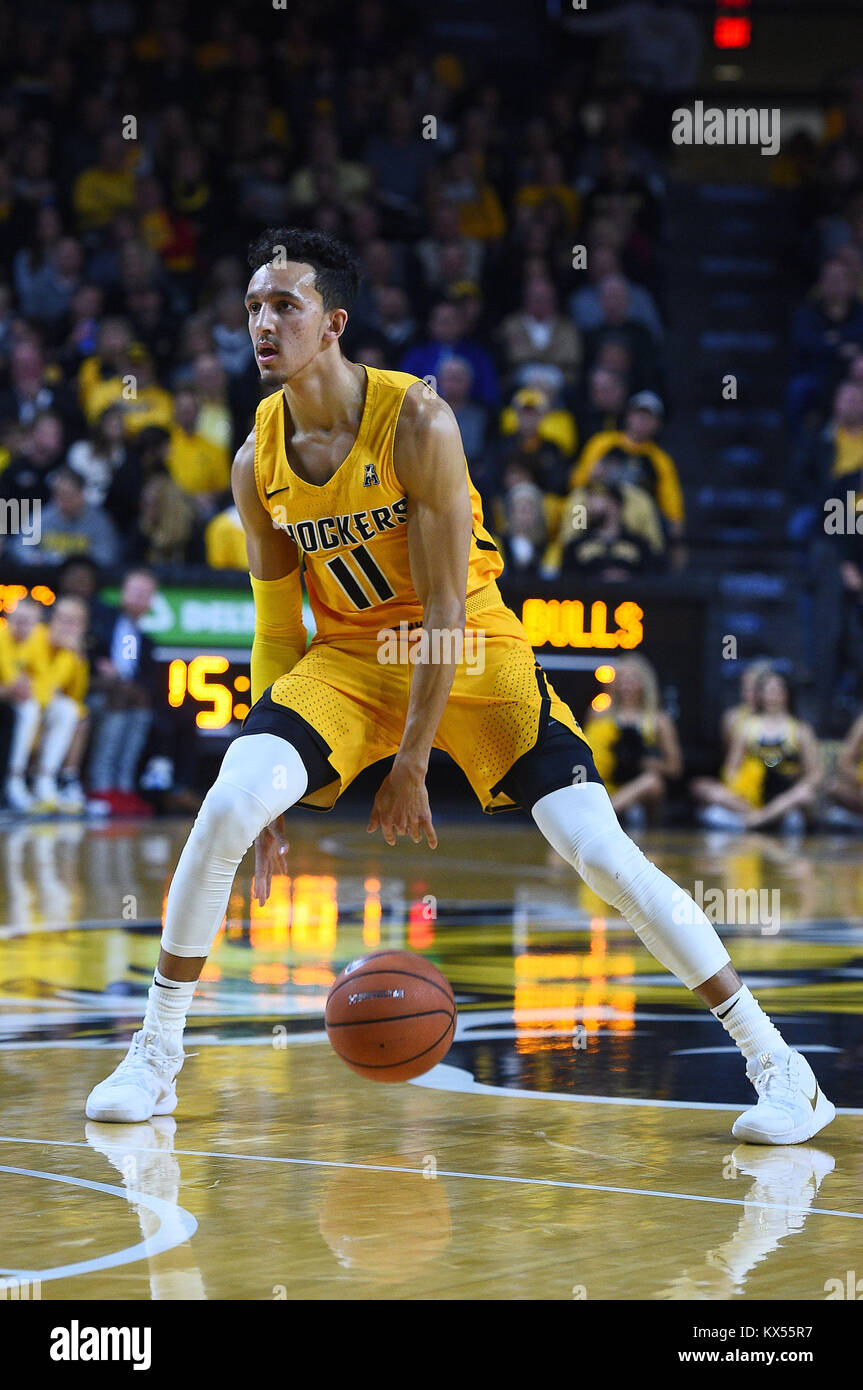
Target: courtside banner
<point x="202" y="617"/>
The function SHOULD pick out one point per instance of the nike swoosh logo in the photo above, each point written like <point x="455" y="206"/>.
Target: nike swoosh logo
<point x="728" y="1010"/>
<point x="286" y="488"/>
<point x="813" y="1100"/>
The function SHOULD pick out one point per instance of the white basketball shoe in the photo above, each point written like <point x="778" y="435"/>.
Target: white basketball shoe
<point x="143" y="1085"/>
<point x="791" y="1106"/>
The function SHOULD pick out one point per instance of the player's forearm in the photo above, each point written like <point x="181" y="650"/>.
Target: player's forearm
<point x="271" y="658"/>
<point x="440" y="650"/>
<point x="430" y="689"/>
<point x="280" y="635"/>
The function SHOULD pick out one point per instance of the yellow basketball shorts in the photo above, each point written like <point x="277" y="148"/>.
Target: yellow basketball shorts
<point x="348" y="700"/>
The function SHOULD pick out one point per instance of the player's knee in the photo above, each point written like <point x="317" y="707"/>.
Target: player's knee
<point x="618" y="872"/>
<point x="230" y="819"/>
<point x="607" y="864"/>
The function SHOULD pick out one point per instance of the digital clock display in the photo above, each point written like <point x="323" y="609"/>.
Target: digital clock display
<point x="220" y="687"/>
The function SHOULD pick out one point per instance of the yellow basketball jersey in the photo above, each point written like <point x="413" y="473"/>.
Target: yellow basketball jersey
<point x="351" y="531"/>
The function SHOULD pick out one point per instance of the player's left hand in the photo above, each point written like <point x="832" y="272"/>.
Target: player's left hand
<point x="271" y="848"/>
<point x="402" y="808"/>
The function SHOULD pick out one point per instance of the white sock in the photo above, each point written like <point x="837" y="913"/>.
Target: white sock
<point x="167" y="1005"/>
<point x="745" y="1021"/>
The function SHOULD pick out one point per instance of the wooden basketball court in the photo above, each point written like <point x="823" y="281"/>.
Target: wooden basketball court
<point x="575" y="1143"/>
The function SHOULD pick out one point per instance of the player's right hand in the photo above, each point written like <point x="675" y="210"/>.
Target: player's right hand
<point x="271" y="857"/>
<point x="401" y="807"/>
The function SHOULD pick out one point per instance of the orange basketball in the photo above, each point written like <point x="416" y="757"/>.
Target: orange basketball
<point x="391" y="1016"/>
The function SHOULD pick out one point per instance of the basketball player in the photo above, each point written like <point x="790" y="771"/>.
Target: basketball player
<point x="361" y="473"/>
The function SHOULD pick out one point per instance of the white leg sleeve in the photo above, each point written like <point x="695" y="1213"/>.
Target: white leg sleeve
<point x="62" y="718"/>
<point x="260" y="777"/>
<point x="579" y="822"/>
<point x="23" y="736"/>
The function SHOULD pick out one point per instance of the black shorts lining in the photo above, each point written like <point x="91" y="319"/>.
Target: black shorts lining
<point x="550" y="764"/>
<point x="267" y="717"/>
<point x="544" y="711"/>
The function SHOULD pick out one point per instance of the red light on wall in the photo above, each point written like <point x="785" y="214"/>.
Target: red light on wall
<point x="729" y="32"/>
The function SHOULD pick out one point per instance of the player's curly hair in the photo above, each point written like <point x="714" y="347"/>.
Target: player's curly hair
<point x="337" y="270"/>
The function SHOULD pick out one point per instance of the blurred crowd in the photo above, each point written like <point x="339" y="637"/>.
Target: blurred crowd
<point x="824" y="398"/>
<point x="509" y="234"/>
<point x="510" y="255"/>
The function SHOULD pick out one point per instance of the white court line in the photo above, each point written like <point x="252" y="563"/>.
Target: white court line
<point x="449" y="1173"/>
<point x="445" y="1077"/>
<point x="10" y="929"/>
<point x="176" y="1226"/>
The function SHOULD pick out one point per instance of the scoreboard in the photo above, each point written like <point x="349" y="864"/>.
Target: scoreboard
<point x="202" y="637"/>
<point x="205" y="640"/>
<point x="579" y="640"/>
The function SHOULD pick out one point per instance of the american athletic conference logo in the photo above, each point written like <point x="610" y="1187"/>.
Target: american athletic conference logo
<point x="371" y="475"/>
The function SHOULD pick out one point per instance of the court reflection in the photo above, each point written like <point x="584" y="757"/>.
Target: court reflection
<point x="775" y="1208"/>
<point x="143" y="1154"/>
<point x="386" y="1227"/>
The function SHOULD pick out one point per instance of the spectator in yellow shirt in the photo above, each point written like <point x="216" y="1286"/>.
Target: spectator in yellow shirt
<point x="846" y="433"/>
<point x="136" y="390"/>
<point x="481" y="214"/>
<point x="51" y="710"/>
<point x="202" y="469"/>
<point x="555" y="424"/>
<point x="550" y="185"/>
<point x="107" y="363"/>
<point x="65" y="669"/>
<point x="23" y="649"/>
<point x="215" y="421"/>
<point x="216" y="410"/>
<point x="630" y="455"/>
<point x="225" y="541"/>
<point x="108" y="187"/>
<point x="22" y="646"/>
